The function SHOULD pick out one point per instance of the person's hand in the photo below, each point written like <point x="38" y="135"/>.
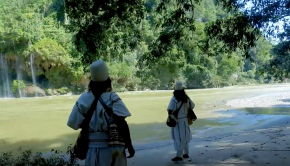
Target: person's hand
<point x="131" y="151"/>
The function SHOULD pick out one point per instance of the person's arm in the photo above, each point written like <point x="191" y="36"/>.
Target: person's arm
<point x="171" y="106"/>
<point x="76" y="117"/>
<point x="118" y="106"/>
<point x="191" y="103"/>
<point x="121" y="113"/>
<point x="124" y="131"/>
<point x="169" y="112"/>
<point x="79" y="111"/>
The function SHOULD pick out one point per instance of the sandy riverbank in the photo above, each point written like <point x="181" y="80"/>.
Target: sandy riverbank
<point x="261" y="144"/>
<point x="268" y="144"/>
<point x="268" y="100"/>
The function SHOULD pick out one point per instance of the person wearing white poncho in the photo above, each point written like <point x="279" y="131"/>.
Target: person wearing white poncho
<point x="181" y="133"/>
<point x="99" y="153"/>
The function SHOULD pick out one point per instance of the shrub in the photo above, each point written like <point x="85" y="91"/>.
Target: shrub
<point x="63" y="91"/>
<point x="27" y="158"/>
<point x="49" y="92"/>
<point x="17" y="87"/>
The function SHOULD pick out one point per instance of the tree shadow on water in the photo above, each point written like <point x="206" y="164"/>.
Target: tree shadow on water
<point x="141" y="134"/>
<point x="156" y="136"/>
<point x="37" y="145"/>
<point x="274" y="110"/>
<point x="286" y="103"/>
<point x="285" y="100"/>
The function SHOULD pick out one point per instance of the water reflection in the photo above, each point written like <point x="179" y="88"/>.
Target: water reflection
<point x="268" y="110"/>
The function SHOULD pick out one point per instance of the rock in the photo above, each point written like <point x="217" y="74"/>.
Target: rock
<point x="32" y="91"/>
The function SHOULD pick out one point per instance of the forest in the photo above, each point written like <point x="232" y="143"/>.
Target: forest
<point x="40" y="56"/>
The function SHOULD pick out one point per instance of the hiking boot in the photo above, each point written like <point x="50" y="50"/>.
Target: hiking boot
<point x="185" y="156"/>
<point x="176" y="159"/>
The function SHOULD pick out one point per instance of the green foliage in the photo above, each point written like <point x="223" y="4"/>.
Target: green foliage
<point x="278" y="67"/>
<point x="49" y="92"/>
<point x="63" y="90"/>
<point x="147" y="44"/>
<point x="103" y="28"/>
<point x="17" y="87"/>
<point x="28" y="158"/>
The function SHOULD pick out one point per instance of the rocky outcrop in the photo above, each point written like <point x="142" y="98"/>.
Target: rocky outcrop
<point x="32" y="91"/>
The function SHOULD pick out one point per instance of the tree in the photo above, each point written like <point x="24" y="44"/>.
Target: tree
<point x="238" y="30"/>
<point x="278" y="67"/>
<point x="104" y="27"/>
<point x="147" y="46"/>
<point x="272" y="17"/>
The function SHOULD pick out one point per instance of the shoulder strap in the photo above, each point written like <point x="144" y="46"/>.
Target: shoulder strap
<point x="107" y="109"/>
<point x="179" y="107"/>
<point x="176" y="111"/>
<point x="88" y="117"/>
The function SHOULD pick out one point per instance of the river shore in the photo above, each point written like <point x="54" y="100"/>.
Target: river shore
<point x="281" y="99"/>
<point x="263" y="143"/>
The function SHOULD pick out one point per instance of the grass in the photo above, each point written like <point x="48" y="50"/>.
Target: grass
<point x="40" y="123"/>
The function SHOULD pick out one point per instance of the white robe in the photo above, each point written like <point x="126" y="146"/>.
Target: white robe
<point x="181" y="133"/>
<point x="99" y="153"/>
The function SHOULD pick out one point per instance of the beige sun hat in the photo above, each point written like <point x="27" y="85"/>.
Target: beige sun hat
<point x="99" y="71"/>
<point x="179" y="86"/>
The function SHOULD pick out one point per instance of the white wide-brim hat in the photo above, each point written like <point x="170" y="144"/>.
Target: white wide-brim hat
<point x="99" y="71"/>
<point x="179" y="86"/>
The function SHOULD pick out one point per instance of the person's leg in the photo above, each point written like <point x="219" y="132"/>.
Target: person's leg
<point x="179" y="153"/>
<point x="98" y="157"/>
<point x="120" y="160"/>
<point x="186" y="151"/>
<point x="177" y="142"/>
<point x="103" y="157"/>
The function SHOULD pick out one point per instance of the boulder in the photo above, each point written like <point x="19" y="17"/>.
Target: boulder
<point x="33" y="91"/>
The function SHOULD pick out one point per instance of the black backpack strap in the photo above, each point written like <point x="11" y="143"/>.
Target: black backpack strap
<point x="176" y="111"/>
<point x="88" y="117"/>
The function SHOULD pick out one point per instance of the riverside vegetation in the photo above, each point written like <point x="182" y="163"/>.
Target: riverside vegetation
<point x="44" y="50"/>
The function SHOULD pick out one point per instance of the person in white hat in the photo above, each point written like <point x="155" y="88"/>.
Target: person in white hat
<point x="99" y="153"/>
<point x="181" y="133"/>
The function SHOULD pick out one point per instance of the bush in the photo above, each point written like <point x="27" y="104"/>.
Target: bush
<point x="17" y="87"/>
<point x="27" y="158"/>
<point x="132" y="84"/>
<point x="63" y="91"/>
<point x="49" y="92"/>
